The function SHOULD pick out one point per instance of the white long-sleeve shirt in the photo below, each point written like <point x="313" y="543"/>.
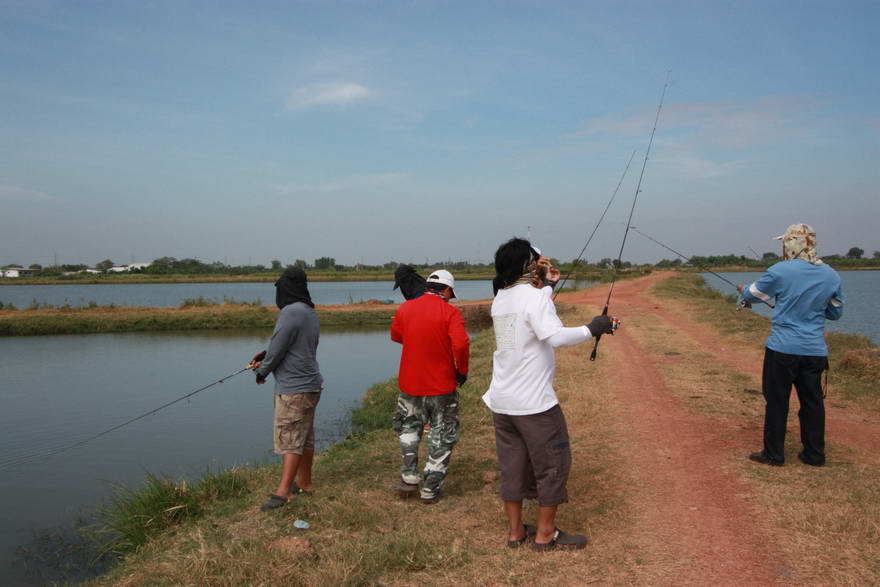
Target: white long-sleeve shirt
<point x="527" y="330"/>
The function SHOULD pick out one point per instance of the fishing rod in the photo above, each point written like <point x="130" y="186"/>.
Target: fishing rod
<point x="631" y="210"/>
<point x="595" y="228"/>
<point x="743" y="303"/>
<point x="38" y="455"/>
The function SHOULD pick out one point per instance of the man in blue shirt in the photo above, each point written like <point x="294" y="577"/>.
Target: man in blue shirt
<point x="807" y="292"/>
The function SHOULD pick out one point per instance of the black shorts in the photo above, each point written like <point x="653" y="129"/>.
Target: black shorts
<point x="534" y="455"/>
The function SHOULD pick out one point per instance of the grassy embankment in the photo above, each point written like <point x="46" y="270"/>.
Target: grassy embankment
<point x="829" y="520"/>
<point x="204" y="316"/>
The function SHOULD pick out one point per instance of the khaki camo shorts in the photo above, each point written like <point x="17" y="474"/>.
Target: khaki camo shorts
<point x="295" y="422"/>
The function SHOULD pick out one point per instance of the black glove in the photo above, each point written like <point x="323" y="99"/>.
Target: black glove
<point x="600" y="325"/>
<point x="460" y="379"/>
<point x="259" y="357"/>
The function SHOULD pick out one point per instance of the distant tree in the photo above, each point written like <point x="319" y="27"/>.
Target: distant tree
<point x="605" y="263"/>
<point x="301" y="264"/>
<point x="877" y="254"/>
<point x="276" y="264"/>
<point x="855" y="253"/>
<point x="325" y="263"/>
<point x="36" y="266"/>
<point x="104" y="265"/>
<point x="770" y="257"/>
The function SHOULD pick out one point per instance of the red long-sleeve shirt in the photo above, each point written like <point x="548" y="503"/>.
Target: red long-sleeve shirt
<point x="435" y="345"/>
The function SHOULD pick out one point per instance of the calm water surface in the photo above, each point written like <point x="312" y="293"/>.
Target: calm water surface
<point x="56" y="390"/>
<point x="171" y="295"/>
<point x="861" y="313"/>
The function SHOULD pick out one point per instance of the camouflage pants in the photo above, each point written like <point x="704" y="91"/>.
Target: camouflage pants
<point x="413" y="412"/>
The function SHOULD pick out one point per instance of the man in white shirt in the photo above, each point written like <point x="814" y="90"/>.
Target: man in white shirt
<point x="530" y="430"/>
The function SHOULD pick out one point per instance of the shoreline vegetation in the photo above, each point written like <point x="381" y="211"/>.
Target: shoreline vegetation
<point x="208" y="532"/>
<point x="204" y="315"/>
<point x="585" y="273"/>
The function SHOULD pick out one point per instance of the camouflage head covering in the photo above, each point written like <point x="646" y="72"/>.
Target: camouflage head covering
<point x="799" y="242"/>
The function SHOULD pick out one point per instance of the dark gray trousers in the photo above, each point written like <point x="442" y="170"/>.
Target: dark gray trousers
<point x="781" y="371"/>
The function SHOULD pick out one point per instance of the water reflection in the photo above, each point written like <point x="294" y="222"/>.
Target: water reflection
<point x="59" y="389"/>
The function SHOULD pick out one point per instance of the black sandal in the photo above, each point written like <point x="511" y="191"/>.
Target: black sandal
<point x="530" y="533"/>
<point x="274" y="502"/>
<point x="296" y="490"/>
<point x="562" y="541"/>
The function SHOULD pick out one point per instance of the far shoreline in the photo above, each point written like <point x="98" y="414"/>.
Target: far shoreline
<point x="141" y="279"/>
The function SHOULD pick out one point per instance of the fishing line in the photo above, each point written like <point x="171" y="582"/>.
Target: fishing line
<point x="33" y="456"/>
<point x="703" y="267"/>
<point x="632" y="209"/>
<point x="595" y="228"/>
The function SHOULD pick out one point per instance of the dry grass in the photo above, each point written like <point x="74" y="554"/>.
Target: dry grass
<point x="199" y="316"/>
<point x="829" y="517"/>
<point x="362" y="533"/>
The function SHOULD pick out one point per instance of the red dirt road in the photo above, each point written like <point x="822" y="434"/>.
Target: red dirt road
<point x="698" y="519"/>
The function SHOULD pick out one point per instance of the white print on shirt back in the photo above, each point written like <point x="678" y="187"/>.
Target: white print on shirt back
<point x="505" y="331"/>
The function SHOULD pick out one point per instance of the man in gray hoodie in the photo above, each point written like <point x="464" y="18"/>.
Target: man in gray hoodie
<point x="291" y="358"/>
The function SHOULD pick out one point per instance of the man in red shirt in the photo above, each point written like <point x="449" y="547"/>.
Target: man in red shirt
<point x="434" y="361"/>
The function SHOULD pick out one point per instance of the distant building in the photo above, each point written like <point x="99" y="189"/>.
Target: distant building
<point x="127" y="268"/>
<point x="16" y="272"/>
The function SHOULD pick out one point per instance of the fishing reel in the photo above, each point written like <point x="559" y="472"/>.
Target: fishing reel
<point x="743" y="304"/>
<point x="615" y="324"/>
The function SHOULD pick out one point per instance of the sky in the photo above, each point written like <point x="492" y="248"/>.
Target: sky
<point x="371" y="131"/>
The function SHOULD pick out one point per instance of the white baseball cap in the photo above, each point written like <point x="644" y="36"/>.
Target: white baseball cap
<point x="443" y="276"/>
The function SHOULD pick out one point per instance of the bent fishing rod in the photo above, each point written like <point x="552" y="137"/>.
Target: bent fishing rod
<point x="629" y="220"/>
<point x="595" y="228"/>
<point x="38" y="455"/>
<point x="742" y="304"/>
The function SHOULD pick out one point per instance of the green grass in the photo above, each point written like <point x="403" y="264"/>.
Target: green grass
<point x="134" y="516"/>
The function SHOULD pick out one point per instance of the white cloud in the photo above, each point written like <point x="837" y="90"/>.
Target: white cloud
<point x="332" y="94"/>
<point x="349" y="183"/>
<point x="14" y="192"/>
<point x="722" y="124"/>
<point x="692" y="166"/>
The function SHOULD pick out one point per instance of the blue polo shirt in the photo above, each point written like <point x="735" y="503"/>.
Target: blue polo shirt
<point x="806" y="295"/>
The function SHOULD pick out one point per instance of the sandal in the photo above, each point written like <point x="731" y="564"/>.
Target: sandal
<point x="562" y="541"/>
<point x="530" y="533"/>
<point x="296" y="490"/>
<point x="274" y="502"/>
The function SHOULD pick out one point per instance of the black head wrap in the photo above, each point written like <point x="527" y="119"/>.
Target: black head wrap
<point x="411" y="284"/>
<point x="512" y="260"/>
<point x="291" y="287"/>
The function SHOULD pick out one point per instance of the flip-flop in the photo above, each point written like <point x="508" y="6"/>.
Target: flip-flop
<point x="530" y="533"/>
<point x="274" y="502"/>
<point x="562" y="541"/>
<point x="296" y="490"/>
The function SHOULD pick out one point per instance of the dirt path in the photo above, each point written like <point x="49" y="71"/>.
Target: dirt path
<point x="699" y="521"/>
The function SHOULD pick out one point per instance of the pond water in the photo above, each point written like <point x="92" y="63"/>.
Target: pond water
<point x="861" y="313"/>
<point x="171" y="295"/>
<point x="59" y="389"/>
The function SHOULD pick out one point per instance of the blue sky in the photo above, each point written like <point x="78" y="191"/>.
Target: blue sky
<point x="371" y="131"/>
